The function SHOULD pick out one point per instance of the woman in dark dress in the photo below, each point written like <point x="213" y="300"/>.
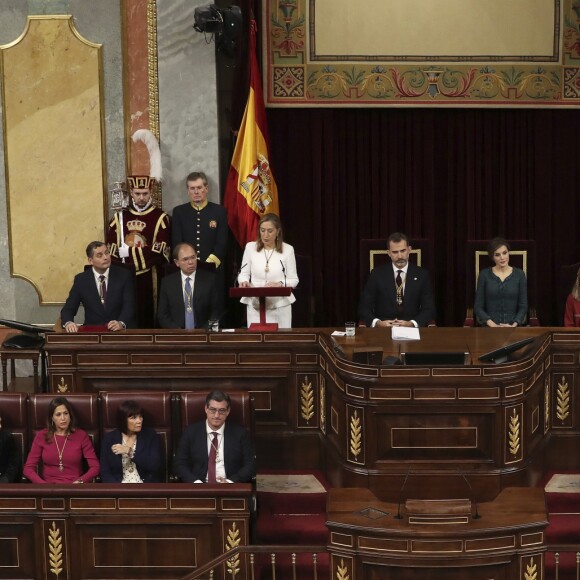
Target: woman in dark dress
<point x="502" y="290"/>
<point x="131" y="453"/>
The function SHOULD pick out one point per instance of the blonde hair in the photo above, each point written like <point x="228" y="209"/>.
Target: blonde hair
<point x="275" y="221"/>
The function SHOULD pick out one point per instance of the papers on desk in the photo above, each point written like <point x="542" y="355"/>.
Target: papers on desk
<point x="405" y="333"/>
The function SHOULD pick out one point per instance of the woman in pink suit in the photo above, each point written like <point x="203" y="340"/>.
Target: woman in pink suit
<point x="61" y="447"/>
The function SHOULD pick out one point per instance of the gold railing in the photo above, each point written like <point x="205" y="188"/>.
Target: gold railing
<point x="241" y="562"/>
<point x="558" y="550"/>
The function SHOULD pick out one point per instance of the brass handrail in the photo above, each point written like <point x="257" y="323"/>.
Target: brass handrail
<point x="232" y="559"/>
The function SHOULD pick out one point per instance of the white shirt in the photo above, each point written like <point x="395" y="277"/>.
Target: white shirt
<point x="220" y="466"/>
<point x="98" y="279"/>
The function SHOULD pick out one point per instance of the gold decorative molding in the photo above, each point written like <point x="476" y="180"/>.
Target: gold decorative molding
<point x="322" y="405"/>
<point x="531" y="572"/>
<point x="153" y="84"/>
<point x="53" y="107"/>
<point x="55" y="556"/>
<point x="547" y="400"/>
<point x="355" y="435"/>
<point x="514" y="433"/>
<point x="342" y="571"/>
<point x="563" y="400"/>
<point x="233" y="539"/>
<point x="62" y="387"/>
<point x="306" y="400"/>
<point x="152" y="70"/>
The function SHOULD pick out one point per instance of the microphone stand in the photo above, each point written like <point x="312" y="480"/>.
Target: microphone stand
<point x="284" y="272"/>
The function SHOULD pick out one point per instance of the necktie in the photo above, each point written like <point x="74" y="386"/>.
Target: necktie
<point x="102" y="289"/>
<point x="212" y="458"/>
<point x="188" y="298"/>
<point x="399" y="288"/>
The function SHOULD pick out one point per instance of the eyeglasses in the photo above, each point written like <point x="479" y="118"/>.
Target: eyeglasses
<point x="214" y="411"/>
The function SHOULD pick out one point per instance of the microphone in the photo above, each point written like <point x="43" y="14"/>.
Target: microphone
<point x="399" y="516"/>
<point x="472" y="497"/>
<point x="236" y="283"/>
<point x="283" y="271"/>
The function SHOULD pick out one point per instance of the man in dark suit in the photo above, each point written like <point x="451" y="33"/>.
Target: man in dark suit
<point x="188" y="298"/>
<point x="213" y="451"/>
<point x="105" y="291"/>
<point x="204" y="225"/>
<point x="398" y="294"/>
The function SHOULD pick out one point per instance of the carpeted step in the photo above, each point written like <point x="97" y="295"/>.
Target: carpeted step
<point x="291" y="507"/>
<point x="563" y="529"/>
<point x="292" y="529"/>
<point x="562" y="492"/>
<point x="292" y="491"/>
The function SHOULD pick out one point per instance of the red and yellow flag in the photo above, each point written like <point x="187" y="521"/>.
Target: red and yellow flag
<point x="251" y="190"/>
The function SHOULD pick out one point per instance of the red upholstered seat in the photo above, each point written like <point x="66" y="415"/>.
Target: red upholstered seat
<point x="15" y="420"/>
<point x="192" y="408"/>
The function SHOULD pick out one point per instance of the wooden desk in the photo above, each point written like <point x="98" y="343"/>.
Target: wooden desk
<point x="502" y="425"/>
<point x="119" y="531"/>
<point x="368" y="543"/>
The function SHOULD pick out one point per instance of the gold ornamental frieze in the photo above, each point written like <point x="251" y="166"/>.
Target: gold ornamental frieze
<point x="355" y="431"/>
<point x="56" y="549"/>
<point x="530" y="571"/>
<point x="563" y="394"/>
<point x="307" y="400"/>
<point x="61" y="386"/>
<point x="547" y="404"/>
<point x="233" y="540"/>
<point x="322" y="405"/>
<point x="342" y="570"/>
<point x="514" y="431"/>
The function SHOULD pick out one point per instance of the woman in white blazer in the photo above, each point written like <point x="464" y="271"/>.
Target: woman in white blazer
<point x="269" y="262"/>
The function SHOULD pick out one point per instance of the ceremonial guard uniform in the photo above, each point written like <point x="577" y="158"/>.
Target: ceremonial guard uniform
<point x="147" y="234"/>
<point x="205" y="227"/>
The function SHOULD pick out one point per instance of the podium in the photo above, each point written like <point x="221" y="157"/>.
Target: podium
<point x="261" y="293"/>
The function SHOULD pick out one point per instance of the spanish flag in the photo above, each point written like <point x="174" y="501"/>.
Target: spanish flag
<point x="251" y="190"/>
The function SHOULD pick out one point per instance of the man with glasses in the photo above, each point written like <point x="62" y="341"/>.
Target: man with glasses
<point x="215" y="451"/>
<point x="188" y="298"/>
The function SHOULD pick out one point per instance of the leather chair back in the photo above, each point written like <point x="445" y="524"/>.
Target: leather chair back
<point x="15" y="420"/>
<point x="192" y="409"/>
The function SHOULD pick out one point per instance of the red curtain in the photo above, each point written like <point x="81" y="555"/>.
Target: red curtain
<point x="447" y="175"/>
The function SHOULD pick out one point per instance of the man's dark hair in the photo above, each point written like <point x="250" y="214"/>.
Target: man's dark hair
<point x="218" y="396"/>
<point x="396" y="238"/>
<point x="195" y="175"/>
<point x="92" y="247"/>
<point x="175" y="252"/>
